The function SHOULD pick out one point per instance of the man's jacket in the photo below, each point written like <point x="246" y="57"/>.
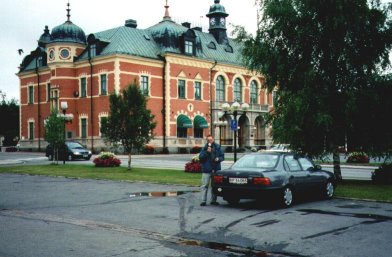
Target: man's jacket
<point x="208" y="159"/>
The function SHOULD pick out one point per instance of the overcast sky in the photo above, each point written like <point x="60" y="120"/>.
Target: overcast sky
<point x="22" y="22"/>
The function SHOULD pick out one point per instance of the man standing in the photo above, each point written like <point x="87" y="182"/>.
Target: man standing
<point x="210" y="157"/>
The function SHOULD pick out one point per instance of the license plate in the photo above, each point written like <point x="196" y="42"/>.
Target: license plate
<point x="238" y="180"/>
<point x="85" y="155"/>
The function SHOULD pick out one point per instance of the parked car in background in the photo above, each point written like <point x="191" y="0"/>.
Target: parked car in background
<point x="70" y="151"/>
<point x="279" y="175"/>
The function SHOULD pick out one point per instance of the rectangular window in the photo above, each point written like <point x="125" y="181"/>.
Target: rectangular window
<point x="69" y="134"/>
<point x="31" y="130"/>
<point x="104" y="89"/>
<point x="197" y="90"/>
<point x="83" y="87"/>
<point x="182" y="132"/>
<point x="31" y="94"/>
<point x="54" y="99"/>
<point x="93" y="51"/>
<point x="39" y="61"/>
<point x="198" y="132"/>
<point x="48" y="93"/>
<point x="188" y="47"/>
<point x="102" y="122"/>
<point x="144" y="85"/>
<point x="181" y="89"/>
<point x="83" y="127"/>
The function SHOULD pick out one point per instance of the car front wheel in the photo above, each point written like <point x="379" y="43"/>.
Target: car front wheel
<point x="287" y="197"/>
<point x="50" y="157"/>
<point x="69" y="157"/>
<point x="329" y="190"/>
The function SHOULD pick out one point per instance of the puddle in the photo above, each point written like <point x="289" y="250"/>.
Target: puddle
<point x="232" y="249"/>
<point x="161" y="194"/>
<point x="348" y="214"/>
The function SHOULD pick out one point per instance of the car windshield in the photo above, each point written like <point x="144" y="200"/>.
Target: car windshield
<point x="256" y="162"/>
<point x="73" y="145"/>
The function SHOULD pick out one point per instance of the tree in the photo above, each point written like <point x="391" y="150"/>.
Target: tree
<point x="129" y="121"/>
<point x="54" y="132"/>
<point x="318" y="54"/>
<point x="9" y="113"/>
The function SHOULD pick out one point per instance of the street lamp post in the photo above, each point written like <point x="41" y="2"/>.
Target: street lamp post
<point x="235" y="109"/>
<point x="64" y="107"/>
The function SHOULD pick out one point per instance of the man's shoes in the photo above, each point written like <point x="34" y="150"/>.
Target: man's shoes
<point x="214" y="203"/>
<point x="203" y="204"/>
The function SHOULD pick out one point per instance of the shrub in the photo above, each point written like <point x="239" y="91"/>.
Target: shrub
<point x="357" y="157"/>
<point x="383" y="175"/>
<point x="183" y="150"/>
<point x="196" y="149"/>
<point x="194" y="166"/>
<point x="107" y="159"/>
<point x="148" y="149"/>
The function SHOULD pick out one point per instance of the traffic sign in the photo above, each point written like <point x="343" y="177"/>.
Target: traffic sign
<point x="233" y="125"/>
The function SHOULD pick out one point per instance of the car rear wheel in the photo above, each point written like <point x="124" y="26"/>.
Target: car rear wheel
<point x="329" y="190"/>
<point x="287" y="197"/>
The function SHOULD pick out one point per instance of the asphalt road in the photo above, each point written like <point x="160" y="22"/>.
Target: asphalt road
<point x="172" y="161"/>
<point x="42" y="216"/>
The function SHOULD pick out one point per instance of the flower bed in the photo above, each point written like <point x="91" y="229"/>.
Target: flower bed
<point x="194" y="166"/>
<point x="107" y="159"/>
<point x="357" y="157"/>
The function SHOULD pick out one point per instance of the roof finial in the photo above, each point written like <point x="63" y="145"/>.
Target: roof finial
<point x="68" y="12"/>
<point x="167" y="15"/>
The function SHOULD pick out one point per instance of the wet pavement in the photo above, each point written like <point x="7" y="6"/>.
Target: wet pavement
<point x="41" y="216"/>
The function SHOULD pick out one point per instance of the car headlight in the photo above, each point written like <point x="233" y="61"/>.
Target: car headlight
<point x="77" y="153"/>
<point x="89" y="152"/>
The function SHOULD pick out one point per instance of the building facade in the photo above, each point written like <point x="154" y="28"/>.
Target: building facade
<point x="185" y="73"/>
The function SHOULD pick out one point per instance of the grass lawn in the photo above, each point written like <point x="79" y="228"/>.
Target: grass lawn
<point x="364" y="190"/>
<point x="350" y="189"/>
<point x="163" y="176"/>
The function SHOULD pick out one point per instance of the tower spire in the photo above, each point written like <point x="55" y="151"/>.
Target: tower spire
<point x="68" y="12"/>
<point x="167" y="15"/>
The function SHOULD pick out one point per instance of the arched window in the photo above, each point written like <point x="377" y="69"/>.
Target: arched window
<point x="220" y="89"/>
<point x="237" y="90"/>
<point x="253" y="92"/>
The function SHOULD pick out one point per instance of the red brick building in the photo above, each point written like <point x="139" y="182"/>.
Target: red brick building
<point x="185" y="73"/>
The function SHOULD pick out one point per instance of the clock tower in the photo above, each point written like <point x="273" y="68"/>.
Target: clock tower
<point x="217" y="16"/>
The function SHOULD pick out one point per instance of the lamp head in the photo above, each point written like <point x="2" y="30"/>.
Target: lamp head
<point x="64" y="106"/>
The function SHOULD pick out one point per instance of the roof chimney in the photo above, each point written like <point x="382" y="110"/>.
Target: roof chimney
<point x="131" y="23"/>
<point x="186" y="25"/>
<point x="198" y="29"/>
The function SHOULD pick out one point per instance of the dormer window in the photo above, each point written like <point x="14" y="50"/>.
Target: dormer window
<point x="188" y="41"/>
<point x="189" y="47"/>
<point x="39" y="61"/>
<point x="93" y="50"/>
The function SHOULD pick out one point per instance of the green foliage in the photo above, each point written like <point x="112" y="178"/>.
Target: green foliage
<point x="320" y="56"/>
<point x="9" y="113"/>
<point x="54" y="131"/>
<point x="129" y="121"/>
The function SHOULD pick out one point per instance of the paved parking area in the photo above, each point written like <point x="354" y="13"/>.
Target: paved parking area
<point x="43" y="216"/>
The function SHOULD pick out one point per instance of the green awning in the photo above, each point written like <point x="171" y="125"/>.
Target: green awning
<point x="200" y="122"/>
<point x="184" y="121"/>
